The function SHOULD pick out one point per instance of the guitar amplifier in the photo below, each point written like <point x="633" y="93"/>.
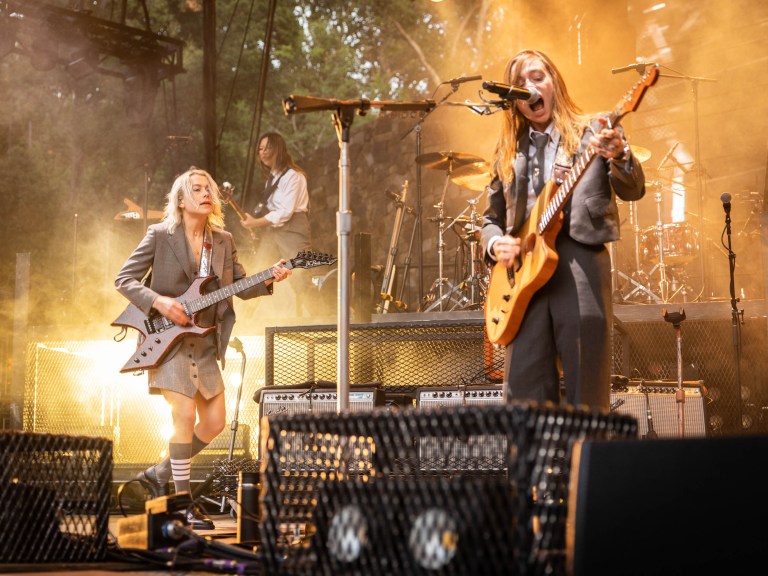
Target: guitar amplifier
<point x="656" y="399"/>
<point x="288" y="400"/>
<point x="482" y="452"/>
<point x="307" y="451"/>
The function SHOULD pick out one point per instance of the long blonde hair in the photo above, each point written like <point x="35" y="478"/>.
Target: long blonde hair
<point x="182" y="190"/>
<point x="568" y="118"/>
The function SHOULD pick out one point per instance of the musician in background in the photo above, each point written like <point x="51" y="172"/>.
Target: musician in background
<point x="281" y="216"/>
<point x="188" y="243"/>
<point x="568" y="320"/>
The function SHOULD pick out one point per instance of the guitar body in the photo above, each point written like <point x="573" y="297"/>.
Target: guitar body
<point x="510" y="289"/>
<point x="157" y="336"/>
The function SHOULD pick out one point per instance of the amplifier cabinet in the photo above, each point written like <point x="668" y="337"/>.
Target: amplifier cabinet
<point x="298" y="401"/>
<point x="461" y="452"/>
<point x="311" y="452"/>
<point x="459" y="396"/>
<point x="655" y="402"/>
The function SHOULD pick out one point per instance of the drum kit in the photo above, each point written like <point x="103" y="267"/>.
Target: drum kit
<point x="474" y="174"/>
<point x="661" y="253"/>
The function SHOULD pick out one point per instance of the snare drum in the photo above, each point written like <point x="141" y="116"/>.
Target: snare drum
<point x="680" y="242"/>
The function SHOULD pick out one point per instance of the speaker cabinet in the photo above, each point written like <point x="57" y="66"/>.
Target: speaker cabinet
<point x="654" y="404"/>
<point x="673" y="506"/>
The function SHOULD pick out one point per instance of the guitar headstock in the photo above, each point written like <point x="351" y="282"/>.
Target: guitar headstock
<point x="226" y="190"/>
<point x="307" y="259"/>
<point x="632" y="99"/>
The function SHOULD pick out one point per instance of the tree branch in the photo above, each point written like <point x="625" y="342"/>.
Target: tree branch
<point x="416" y="48"/>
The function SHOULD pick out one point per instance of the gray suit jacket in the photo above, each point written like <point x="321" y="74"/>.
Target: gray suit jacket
<point x="590" y="217"/>
<point x="173" y="270"/>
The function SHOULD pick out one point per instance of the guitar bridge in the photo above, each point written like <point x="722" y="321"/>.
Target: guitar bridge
<point x="156" y="324"/>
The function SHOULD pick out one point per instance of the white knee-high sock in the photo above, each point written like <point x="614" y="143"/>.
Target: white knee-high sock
<point x="180" y="456"/>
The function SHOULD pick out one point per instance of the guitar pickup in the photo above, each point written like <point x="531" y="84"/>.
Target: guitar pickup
<point x="149" y="326"/>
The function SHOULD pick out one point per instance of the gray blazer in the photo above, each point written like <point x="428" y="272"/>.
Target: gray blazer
<point x="173" y="270"/>
<point x="590" y="217"/>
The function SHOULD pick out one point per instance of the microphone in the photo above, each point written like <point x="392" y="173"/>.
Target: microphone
<point x="462" y="79"/>
<point x="236" y="344"/>
<point x="639" y="66"/>
<point x="725" y="198"/>
<point x="512" y="92"/>
<point x="667" y="155"/>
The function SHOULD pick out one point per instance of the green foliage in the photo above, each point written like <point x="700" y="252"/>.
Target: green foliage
<point x="72" y="150"/>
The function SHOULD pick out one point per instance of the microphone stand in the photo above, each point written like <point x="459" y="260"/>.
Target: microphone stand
<point x="651" y="434"/>
<point x="676" y="318"/>
<point x="418" y="233"/>
<point x="694" y="80"/>
<point x="737" y="316"/>
<point x="343" y="114"/>
<point x="238" y="346"/>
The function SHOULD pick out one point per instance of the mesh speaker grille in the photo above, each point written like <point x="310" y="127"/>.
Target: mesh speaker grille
<point x="301" y="505"/>
<point x="54" y="497"/>
<point x="649" y="351"/>
<point x="402" y="356"/>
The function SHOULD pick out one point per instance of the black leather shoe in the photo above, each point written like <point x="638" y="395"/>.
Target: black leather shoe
<point x="199" y="521"/>
<point x="149" y="480"/>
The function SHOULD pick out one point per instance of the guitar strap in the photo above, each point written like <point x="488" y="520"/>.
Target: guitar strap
<point x="270" y="186"/>
<point x="206" y="256"/>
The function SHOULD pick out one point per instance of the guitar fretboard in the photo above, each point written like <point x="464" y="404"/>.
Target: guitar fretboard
<point x="235" y="288"/>
<point x="565" y="190"/>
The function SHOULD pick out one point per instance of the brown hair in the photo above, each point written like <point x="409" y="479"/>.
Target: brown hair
<point x="568" y="118"/>
<point x="283" y="159"/>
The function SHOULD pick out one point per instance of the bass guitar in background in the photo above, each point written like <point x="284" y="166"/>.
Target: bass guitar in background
<point x="226" y="191"/>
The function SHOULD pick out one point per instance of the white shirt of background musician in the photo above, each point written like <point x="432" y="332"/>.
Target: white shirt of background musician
<point x="290" y="196"/>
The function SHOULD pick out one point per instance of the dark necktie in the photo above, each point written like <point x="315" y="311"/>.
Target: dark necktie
<point x="540" y="141"/>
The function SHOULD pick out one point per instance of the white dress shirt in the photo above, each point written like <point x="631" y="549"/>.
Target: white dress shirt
<point x="290" y="196"/>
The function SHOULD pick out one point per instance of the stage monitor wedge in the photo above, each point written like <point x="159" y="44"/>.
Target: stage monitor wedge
<point x="672" y="506"/>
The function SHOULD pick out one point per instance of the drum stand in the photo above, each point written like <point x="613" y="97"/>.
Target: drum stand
<point x="442" y="291"/>
<point x="661" y="266"/>
<point x="475" y="280"/>
<point x="666" y="281"/>
<point x="638" y="279"/>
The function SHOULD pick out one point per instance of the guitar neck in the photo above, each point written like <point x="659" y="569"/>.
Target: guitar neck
<point x="235" y="288"/>
<point x="564" y="192"/>
<point x="236" y="208"/>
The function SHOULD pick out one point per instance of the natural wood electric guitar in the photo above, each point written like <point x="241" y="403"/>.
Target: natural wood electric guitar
<point x="158" y="334"/>
<point x="510" y="289"/>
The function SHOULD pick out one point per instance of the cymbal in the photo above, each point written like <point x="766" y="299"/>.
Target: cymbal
<point x="642" y="154"/>
<point x="475" y="176"/>
<point x="446" y="160"/>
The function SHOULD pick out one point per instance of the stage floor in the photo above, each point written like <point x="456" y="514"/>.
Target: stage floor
<point x="225" y="532"/>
